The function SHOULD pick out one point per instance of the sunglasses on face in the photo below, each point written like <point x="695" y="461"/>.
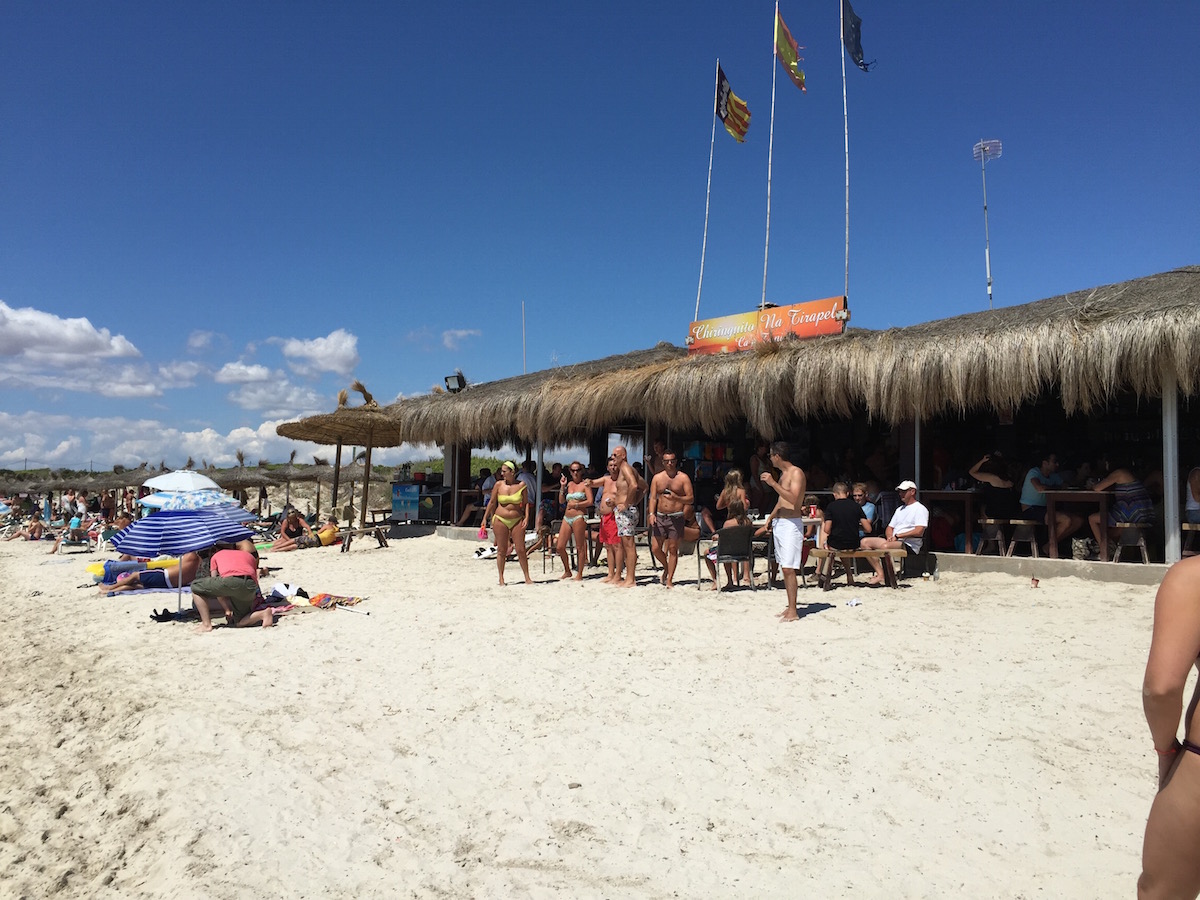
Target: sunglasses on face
<point x="576" y="471"/>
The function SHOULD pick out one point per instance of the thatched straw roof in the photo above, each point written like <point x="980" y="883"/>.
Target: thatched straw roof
<point x="362" y="425"/>
<point x="1087" y="346"/>
<point x="495" y="412"/>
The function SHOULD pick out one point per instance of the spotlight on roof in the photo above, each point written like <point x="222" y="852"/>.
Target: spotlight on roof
<point x="455" y="382"/>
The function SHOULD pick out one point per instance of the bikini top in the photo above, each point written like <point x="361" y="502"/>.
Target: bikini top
<point x="511" y="499"/>
<point x="577" y="495"/>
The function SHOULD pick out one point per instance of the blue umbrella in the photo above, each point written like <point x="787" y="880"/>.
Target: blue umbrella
<point x="175" y="532"/>
<point x="217" y="501"/>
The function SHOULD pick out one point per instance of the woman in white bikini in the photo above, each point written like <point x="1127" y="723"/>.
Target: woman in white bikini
<point x="577" y="498"/>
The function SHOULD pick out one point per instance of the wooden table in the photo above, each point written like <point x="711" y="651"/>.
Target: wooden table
<point x="967" y="498"/>
<point x="1055" y="497"/>
<point x="380" y="516"/>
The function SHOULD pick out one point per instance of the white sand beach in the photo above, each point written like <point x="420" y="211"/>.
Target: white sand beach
<point x="966" y="737"/>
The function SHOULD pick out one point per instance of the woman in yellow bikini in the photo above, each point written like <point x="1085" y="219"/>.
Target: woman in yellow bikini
<point x="507" y="512"/>
<point x="577" y="498"/>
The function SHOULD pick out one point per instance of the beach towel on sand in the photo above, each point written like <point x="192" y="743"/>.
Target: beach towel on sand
<point x="328" y="601"/>
<point x="187" y="592"/>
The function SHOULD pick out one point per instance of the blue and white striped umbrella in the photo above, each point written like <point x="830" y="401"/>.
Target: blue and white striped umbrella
<point x="175" y="532"/>
<point x="172" y="532"/>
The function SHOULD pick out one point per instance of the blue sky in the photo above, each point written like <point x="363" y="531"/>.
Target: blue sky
<point x="216" y="215"/>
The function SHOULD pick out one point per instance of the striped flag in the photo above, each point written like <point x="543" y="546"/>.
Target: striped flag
<point x="731" y="109"/>
<point x="788" y="52"/>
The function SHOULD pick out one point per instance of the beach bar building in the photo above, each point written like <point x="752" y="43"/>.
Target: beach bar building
<point x="1114" y="367"/>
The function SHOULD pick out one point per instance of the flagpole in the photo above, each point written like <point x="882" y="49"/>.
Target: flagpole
<point x="770" y="151"/>
<point x="846" y="141"/>
<point x="712" y="142"/>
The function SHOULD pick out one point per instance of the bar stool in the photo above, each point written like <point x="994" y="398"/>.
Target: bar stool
<point x="993" y="530"/>
<point x="1024" y="532"/>
<point x="1130" y="534"/>
<point x="1189" y="529"/>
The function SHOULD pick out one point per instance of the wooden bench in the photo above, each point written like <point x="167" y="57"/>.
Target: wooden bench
<point x="826" y="557"/>
<point x="348" y="536"/>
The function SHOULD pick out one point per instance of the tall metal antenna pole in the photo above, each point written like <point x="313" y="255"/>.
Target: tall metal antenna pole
<point x="983" y="151"/>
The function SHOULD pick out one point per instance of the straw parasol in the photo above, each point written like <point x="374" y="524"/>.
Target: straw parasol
<point x="289" y="473"/>
<point x="241" y="477"/>
<point x="366" y="425"/>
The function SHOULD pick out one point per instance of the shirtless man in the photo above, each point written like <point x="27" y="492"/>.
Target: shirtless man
<point x="608" y="523"/>
<point x="670" y="496"/>
<point x="629" y="490"/>
<point x="786" y="523"/>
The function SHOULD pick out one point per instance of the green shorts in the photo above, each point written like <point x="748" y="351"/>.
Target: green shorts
<point x="240" y="589"/>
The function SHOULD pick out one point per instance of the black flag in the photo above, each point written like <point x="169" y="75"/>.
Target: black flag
<point x="852" y="36"/>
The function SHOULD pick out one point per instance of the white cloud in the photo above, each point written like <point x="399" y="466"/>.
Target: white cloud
<point x="199" y="341"/>
<point x="243" y="373"/>
<point x="103" y="441"/>
<point x="453" y="337"/>
<point x="337" y="353"/>
<point x="280" y="399"/>
<point x="43" y="340"/>
<point x="179" y="374"/>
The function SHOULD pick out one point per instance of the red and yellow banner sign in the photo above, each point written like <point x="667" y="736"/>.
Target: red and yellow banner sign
<point x="729" y="334"/>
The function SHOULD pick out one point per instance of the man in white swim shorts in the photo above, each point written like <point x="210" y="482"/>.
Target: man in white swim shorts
<point x="786" y="522"/>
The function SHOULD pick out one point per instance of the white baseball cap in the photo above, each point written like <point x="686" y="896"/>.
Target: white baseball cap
<point x="906" y="486"/>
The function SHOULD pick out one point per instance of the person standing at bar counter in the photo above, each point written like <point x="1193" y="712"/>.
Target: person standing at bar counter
<point x="787" y="525"/>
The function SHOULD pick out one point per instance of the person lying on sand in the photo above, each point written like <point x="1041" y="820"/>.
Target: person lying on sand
<point x="168" y="577"/>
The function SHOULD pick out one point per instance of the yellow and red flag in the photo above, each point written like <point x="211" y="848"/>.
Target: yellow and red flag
<point x="731" y="109"/>
<point x="788" y="52"/>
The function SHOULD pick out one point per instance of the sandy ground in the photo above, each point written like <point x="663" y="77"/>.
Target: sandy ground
<point x="966" y="737"/>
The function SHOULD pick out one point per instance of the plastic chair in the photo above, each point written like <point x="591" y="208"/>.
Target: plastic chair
<point x="735" y="546"/>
